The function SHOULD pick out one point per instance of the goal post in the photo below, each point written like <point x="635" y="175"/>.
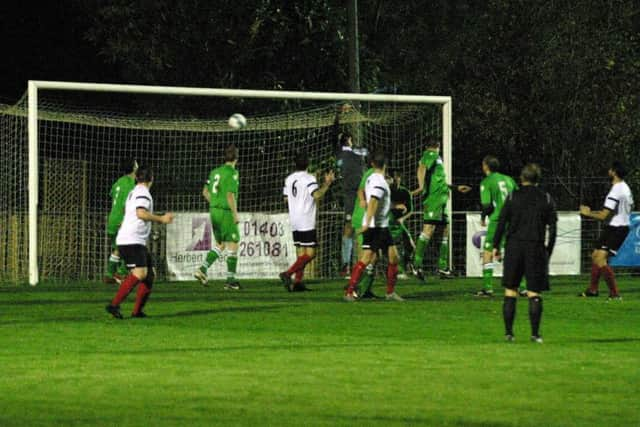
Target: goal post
<point x="36" y="88"/>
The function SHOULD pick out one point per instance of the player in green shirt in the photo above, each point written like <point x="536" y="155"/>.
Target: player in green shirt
<point x="494" y="190"/>
<point x="432" y="183"/>
<point x="221" y="191"/>
<point x="120" y="189"/>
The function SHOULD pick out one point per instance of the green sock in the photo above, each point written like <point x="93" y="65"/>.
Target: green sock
<point x="487" y="276"/>
<point x="369" y="277"/>
<point x="112" y="265"/>
<point x="523" y="285"/>
<point x="443" y="259"/>
<point x="420" y="246"/>
<point x="212" y="256"/>
<point x="232" y="264"/>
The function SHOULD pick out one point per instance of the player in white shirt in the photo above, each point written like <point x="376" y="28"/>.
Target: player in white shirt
<point x="301" y="193"/>
<point x="132" y="240"/>
<point x="616" y="213"/>
<point x="375" y="230"/>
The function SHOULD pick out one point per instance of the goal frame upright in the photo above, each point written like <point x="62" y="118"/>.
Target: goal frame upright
<point x="34" y="86"/>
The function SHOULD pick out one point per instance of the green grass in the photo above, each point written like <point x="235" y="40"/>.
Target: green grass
<point x="262" y="356"/>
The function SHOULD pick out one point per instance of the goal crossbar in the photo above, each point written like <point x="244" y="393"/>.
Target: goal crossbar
<point x="34" y="86"/>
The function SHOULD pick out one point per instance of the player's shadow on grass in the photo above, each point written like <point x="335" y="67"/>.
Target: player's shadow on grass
<point x="433" y="294"/>
<point x="378" y="419"/>
<point x="610" y="340"/>
<point x="249" y="309"/>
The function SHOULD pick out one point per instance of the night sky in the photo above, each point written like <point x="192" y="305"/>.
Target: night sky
<point x="45" y="41"/>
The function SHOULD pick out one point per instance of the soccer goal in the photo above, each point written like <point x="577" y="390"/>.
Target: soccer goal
<point x="65" y="140"/>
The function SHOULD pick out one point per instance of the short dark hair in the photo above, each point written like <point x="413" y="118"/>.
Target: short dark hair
<point x="344" y="138"/>
<point x="230" y="153"/>
<point x="492" y="162"/>
<point x="432" y="142"/>
<point x="144" y="174"/>
<point x="128" y="165"/>
<point x="531" y="173"/>
<point x="378" y="159"/>
<point x="301" y="160"/>
<point x="619" y="169"/>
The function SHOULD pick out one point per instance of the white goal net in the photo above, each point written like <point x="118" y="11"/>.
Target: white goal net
<point x="80" y="133"/>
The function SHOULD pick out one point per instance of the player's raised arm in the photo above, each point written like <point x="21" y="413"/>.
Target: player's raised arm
<point x="329" y="177"/>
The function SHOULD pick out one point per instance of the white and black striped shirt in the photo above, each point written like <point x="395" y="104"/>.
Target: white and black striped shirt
<point x="133" y="230"/>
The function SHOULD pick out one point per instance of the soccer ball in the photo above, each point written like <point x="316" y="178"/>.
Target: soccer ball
<point x="237" y="121"/>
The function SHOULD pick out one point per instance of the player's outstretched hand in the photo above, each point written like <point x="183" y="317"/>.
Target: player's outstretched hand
<point x="167" y="218"/>
<point x="464" y="188"/>
<point x="585" y="210"/>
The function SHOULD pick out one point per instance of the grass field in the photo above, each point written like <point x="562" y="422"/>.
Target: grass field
<point x="262" y="356"/>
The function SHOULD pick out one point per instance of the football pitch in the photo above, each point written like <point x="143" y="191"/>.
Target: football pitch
<point x="262" y="356"/>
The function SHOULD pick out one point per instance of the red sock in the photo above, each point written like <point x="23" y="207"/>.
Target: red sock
<point x="595" y="278"/>
<point x="141" y="297"/>
<point x="299" y="275"/>
<point x="610" y="278"/>
<point x="392" y="275"/>
<point x="125" y="287"/>
<point x="300" y="263"/>
<point x="355" y="275"/>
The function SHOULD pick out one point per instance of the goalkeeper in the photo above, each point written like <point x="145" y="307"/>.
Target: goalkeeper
<point x="120" y="189"/>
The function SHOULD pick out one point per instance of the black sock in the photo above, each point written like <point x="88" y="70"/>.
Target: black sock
<point x="509" y="313"/>
<point x="535" y="314"/>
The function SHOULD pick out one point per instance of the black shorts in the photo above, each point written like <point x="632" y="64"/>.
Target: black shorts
<point x="378" y="238"/>
<point x="349" y="203"/>
<point x="305" y="239"/>
<point x="135" y="256"/>
<point x="528" y="260"/>
<point x="612" y="238"/>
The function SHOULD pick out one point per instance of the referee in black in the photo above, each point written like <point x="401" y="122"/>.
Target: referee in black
<point x="525" y="217"/>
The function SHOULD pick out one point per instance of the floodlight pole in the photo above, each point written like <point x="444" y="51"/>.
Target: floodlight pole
<point x="354" y="46"/>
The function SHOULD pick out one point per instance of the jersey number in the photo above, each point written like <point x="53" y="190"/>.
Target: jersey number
<point x="216" y="182"/>
<point x="294" y="190"/>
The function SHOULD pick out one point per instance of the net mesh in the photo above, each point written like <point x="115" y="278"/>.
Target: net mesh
<point x="81" y="146"/>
